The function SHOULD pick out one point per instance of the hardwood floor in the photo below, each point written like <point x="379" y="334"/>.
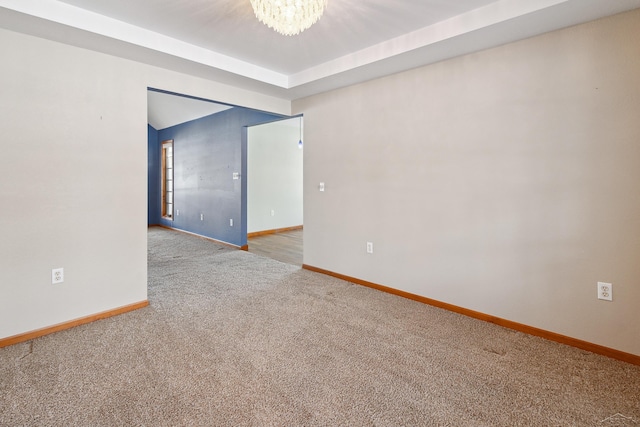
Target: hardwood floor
<point x="284" y="247"/>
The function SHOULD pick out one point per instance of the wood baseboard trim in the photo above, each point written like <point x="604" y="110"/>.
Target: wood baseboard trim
<point x="27" y="336"/>
<point x="274" y="231"/>
<point x="205" y="237"/>
<point x="551" y="336"/>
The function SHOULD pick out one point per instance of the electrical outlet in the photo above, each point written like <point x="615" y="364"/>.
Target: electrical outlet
<point x="321" y="186"/>
<point x="57" y="275"/>
<point x="369" y="247"/>
<point x="230" y="222"/>
<point x="201" y="217"/>
<point x="273" y="212"/>
<point x="177" y="212"/>
<point x="605" y="291"/>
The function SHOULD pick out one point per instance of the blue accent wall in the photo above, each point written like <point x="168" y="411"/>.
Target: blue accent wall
<point x="206" y="153"/>
<point x="153" y="177"/>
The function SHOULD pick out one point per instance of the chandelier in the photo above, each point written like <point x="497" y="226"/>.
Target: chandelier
<point x="288" y="17"/>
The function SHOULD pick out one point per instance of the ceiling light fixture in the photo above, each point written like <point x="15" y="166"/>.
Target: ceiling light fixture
<point x="289" y="17"/>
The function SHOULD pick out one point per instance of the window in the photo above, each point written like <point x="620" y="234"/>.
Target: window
<point x="167" y="179"/>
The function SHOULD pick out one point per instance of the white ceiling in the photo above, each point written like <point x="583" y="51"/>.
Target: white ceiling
<point x="229" y="27"/>
<point x="356" y="40"/>
<point x="165" y="110"/>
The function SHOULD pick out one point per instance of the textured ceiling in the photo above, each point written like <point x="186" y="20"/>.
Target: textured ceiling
<point x="355" y="41"/>
<point x="230" y="27"/>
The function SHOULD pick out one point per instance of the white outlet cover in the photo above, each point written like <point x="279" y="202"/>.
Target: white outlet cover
<point x="605" y="291"/>
<point x="369" y="247"/>
<point x="57" y="276"/>
<point x="321" y="186"/>
<point x="230" y="222"/>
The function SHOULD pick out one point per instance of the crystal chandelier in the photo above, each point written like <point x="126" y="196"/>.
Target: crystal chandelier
<point x="289" y="17"/>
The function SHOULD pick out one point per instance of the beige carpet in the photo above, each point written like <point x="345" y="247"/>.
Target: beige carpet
<point x="234" y="339"/>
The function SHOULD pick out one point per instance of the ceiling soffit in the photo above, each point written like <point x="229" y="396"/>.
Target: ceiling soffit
<point x="264" y="61"/>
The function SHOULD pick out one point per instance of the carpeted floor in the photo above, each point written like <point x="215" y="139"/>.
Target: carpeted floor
<point x="234" y="339"/>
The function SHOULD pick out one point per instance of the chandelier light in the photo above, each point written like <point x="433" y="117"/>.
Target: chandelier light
<point x="289" y="17"/>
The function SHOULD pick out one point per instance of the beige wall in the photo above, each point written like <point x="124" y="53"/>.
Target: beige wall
<point x="274" y="176"/>
<point x="74" y="162"/>
<point x="506" y="181"/>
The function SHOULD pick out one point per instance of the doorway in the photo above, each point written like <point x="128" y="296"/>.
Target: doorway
<point x="210" y="141"/>
<point x="275" y="189"/>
